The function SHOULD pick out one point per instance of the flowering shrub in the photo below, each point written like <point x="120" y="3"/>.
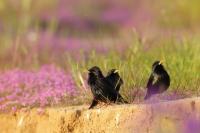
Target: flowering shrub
<point x="47" y="86"/>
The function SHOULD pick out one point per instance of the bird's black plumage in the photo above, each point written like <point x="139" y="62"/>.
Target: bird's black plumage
<point x="114" y="78"/>
<point x="159" y="80"/>
<point x="101" y="88"/>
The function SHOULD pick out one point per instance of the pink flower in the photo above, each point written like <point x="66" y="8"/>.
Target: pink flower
<point x="29" y="88"/>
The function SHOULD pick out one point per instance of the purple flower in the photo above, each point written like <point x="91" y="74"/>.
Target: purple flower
<point x="44" y="87"/>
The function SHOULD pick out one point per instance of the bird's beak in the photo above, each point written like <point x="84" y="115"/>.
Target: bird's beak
<point x="161" y="62"/>
<point x="116" y="71"/>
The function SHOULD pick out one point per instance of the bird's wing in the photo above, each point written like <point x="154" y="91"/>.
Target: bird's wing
<point x="98" y="89"/>
<point x="150" y="81"/>
<point x="108" y="87"/>
<point x="118" y="82"/>
<point x="115" y="80"/>
<point x="109" y="78"/>
<point x="156" y="79"/>
<point x="163" y="82"/>
<point x="112" y="81"/>
<point x="167" y="79"/>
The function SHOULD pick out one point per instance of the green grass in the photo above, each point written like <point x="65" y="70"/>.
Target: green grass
<point x="181" y="55"/>
<point x="181" y="59"/>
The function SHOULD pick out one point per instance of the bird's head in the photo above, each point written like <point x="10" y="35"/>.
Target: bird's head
<point x="95" y="71"/>
<point x="157" y="66"/>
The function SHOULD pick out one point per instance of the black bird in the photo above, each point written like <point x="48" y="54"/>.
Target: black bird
<point x="114" y="78"/>
<point x="101" y="88"/>
<point x="159" y="80"/>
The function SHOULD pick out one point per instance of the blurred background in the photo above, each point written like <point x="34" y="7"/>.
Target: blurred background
<point x="64" y="37"/>
<point x="60" y="26"/>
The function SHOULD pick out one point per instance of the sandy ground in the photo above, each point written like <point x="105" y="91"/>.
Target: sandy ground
<point x="164" y="117"/>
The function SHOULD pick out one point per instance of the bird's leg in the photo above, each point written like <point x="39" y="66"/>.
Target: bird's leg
<point x="94" y="103"/>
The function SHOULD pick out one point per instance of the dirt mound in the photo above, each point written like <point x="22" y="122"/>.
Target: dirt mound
<point x="165" y="117"/>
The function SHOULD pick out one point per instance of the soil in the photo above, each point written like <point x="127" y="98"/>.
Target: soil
<point x="163" y="117"/>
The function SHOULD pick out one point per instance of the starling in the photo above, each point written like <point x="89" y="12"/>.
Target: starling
<point x="101" y="88"/>
<point x="159" y="80"/>
<point x="114" y="78"/>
